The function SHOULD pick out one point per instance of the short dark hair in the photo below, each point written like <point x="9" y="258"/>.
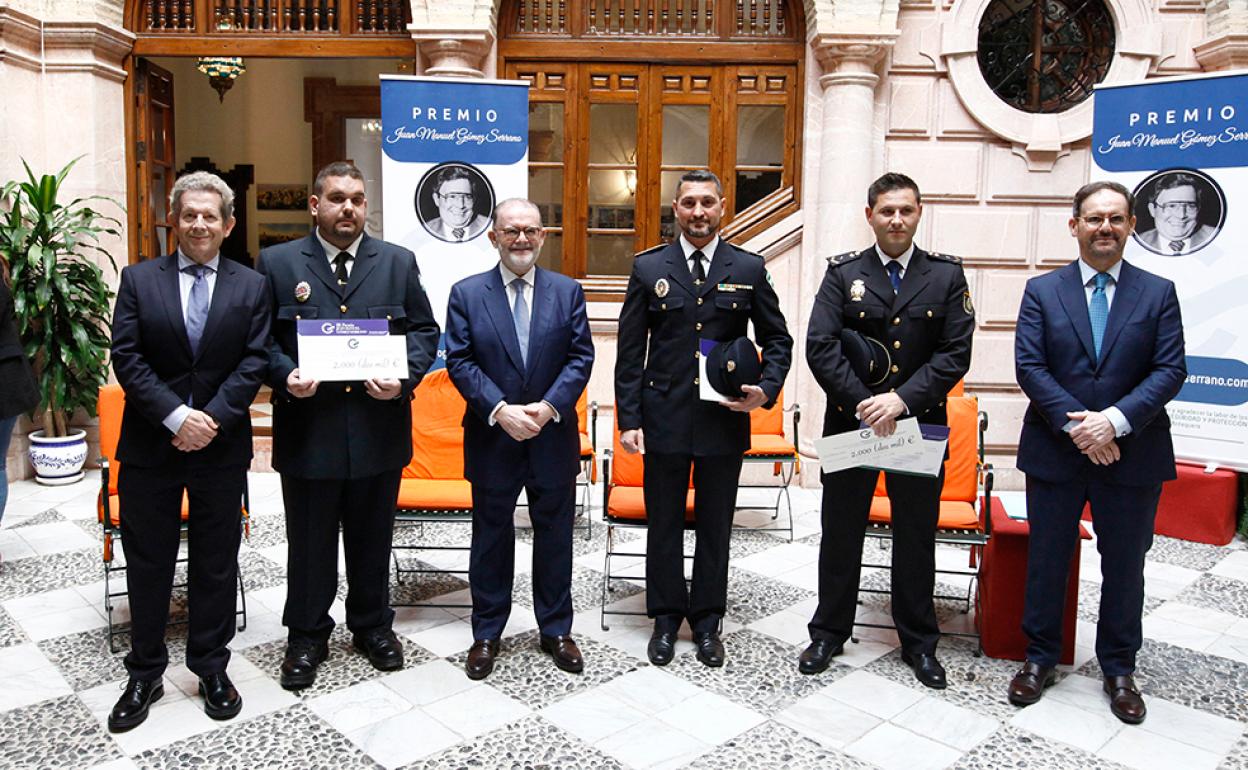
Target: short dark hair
<point x="1092" y="188"/>
<point x="1171" y="181"/>
<point x="698" y="176"/>
<point x="450" y="174"/>
<point x="889" y="182"/>
<point x="337" y="168"/>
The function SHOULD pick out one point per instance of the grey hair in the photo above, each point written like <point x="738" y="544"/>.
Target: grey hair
<point x="202" y="181"/>
<point x="516" y="202"/>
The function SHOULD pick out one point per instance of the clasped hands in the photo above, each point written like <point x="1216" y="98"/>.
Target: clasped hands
<point x="524" y="421"/>
<point x="1094" y="436"/>
<point x="197" y="431"/>
<point x="305" y="387"/>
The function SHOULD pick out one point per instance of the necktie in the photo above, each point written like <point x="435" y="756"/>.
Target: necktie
<point x="458" y="232"/>
<point x="520" y="315"/>
<point x="340" y="267"/>
<point x="894" y="274"/>
<point x="196" y="305"/>
<point x="698" y="272"/>
<point x="1176" y="246"/>
<point x="1098" y="311"/>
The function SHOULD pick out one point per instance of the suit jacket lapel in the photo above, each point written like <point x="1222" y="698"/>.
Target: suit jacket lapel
<point x="875" y="277"/>
<point x="913" y="281"/>
<point x="1070" y="293"/>
<point x="171" y="298"/>
<point x="721" y="268"/>
<point x="365" y="261"/>
<point x="678" y="268"/>
<point x="543" y="308"/>
<point x="1126" y="300"/>
<point x="495" y="299"/>
<point x="221" y="291"/>
<point x="318" y="264"/>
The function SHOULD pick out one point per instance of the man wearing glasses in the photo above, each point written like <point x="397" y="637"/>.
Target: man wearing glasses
<point x="518" y="348"/>
<point x="1175" y="208"/>
<point x="1099" y="351"/>
<point x="457" y="219"/>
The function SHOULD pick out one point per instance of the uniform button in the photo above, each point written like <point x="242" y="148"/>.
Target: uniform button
<point x="699" y="300"/>
<point x="343" y="308"/>
<point x="897" y="321"/>
<point x="298" y="318"/>
<point x="699" y="326"/>
<point x="347" y="389"/>
<point x="734" y="306"/>
<point x="895" y="369"/>
<point x="896" y="344"/>
<point x="840" y="409"/>
<point x="663" y="306"/>
<point x="652" y="383"/>
<point x="697" y="354"/>
<point x="862" y="314"/>
<point x="942" y="403"/>
<point x="389" y="317"/>
<point x="929" y="314"/>
<point x="696" y="381"/>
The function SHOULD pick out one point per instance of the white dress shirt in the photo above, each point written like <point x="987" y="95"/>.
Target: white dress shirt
<point x="1122" y="426"/>
<point x="708" y="252"/>
<point x="173" y="421"/>
<point x="331" y="251"/>
<point x="903" y="260"/>
<point x="511" y="288"/>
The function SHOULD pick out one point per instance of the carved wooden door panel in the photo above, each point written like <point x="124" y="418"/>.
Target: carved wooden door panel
<point x="154" y="155"/>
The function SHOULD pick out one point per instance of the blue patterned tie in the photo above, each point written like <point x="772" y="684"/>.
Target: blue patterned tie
<point x="520" y="314"/>
<point x="1098" y="311"/>
<point x="196" y="305"/>
<point x="894" y="274"/>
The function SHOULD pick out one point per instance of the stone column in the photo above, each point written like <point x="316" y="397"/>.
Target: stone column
<point x="1226" y="47"/>
<point x="456" y="54"/>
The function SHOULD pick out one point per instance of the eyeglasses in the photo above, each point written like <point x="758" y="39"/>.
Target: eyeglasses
<point x="456" y="197"/>
<point x="511" y="233"/>
<point x="1095" y="222"/>
<point x="1179" y="207"/>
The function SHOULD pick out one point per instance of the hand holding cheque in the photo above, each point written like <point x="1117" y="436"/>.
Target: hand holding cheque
<point x="352" y="350"/>
<point x="912" y="448"/>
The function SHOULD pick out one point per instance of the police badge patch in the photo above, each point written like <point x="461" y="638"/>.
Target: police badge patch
<point x="302" y="291"/>
<point x="661" y="288"/>
<point x="857" y="290"/>
<point x="967" y="307"/>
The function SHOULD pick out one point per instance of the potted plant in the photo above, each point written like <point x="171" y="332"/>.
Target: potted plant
<point x="61" y="300"/>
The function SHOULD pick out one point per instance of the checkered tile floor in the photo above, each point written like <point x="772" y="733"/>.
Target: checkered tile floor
<point x="58" y="680"/>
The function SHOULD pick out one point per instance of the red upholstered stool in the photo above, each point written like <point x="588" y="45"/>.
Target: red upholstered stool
<point x="1197" y="506"/>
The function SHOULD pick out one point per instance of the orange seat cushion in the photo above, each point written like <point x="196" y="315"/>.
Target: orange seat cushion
<point x="587" y="447"/>
<point x="437" y="431"/>
<point x="435" y="494"/>
<point x="768" y="444"/>
<point x="768" y="420"/>
<point x="954" y="514"/>
<point x="630" y="503"/>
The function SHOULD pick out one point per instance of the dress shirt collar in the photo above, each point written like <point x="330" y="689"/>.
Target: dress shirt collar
<point x="1088" y="273"/>
<point x="509" y="276"/>
<point x="904" y="259"/>
<point x="708" y="250"/>
<point x="331" y="250"/>
<point x="184" y="262"/>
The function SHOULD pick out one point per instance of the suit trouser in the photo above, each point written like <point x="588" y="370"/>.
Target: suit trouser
<point x="915" y="504"/>
<point x="151" y="525"/>
<point x="314" y="510"/>
<point x="492" y="561"/>
<point x="1123" y="517"/>
<point x="715" y="480"/>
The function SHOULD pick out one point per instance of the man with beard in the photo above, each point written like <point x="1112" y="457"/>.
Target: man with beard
<point x="518" y="348"/>
<point x="457" y="219"/>
<point x="1099" y="351"/>
<point x="1175" y="208"/>
<point x="917" y="305"/>
<point x="699" y="286"/>
<point x="341" y="446"/>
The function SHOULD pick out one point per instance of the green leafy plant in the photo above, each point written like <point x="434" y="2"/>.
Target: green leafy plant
<point x="60" y="295"/>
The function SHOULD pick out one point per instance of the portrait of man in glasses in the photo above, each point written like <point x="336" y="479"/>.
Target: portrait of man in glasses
<point x="460" y="196"/>
<point x="1175" y="206"/>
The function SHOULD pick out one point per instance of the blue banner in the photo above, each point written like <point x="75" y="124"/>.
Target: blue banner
<point x="428" y="121"/>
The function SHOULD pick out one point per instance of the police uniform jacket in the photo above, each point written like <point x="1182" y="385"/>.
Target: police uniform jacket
<point x="663" y="317"/>
<point x="342" y="432"/>
<point x="926" y="328"/>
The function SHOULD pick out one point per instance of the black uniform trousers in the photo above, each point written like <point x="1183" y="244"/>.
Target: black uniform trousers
<point x="668" y="599"/>
<point x="151" y="529"/>
<point x="492" y="559"/>
<point x="1123" y="517"/>
<point x="915" y="504"/>
<point x="314" y="510"/>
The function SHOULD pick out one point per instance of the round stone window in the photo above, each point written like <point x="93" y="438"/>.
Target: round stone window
<point x="1043" y="56"/>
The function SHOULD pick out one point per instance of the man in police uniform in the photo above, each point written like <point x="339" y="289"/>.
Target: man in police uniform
<point x="917" y="304"/>
<point x="698" y="286"/>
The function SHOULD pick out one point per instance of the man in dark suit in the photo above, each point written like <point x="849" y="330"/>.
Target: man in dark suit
<point x="699" y="286"/>
<point x="518" y="348"/>
<point x="916" y="303"/>
<point x="1099" y="351"/>
<point x="189" y="333"/>
<point x="341" y="446"/>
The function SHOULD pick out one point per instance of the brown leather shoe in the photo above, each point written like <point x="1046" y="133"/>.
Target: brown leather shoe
<point x="1124" y="699"/>
<point x="481" y="658"/>
<point x="1030" y="683"/>
<point x="565" y="652"/>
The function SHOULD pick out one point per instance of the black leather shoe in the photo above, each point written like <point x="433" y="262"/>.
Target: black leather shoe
<point x="1125" y="700"/>
<point x="662" y="647"/>
<point x="926" y="669"/>
<point x="710" y="649"/>
<point x="481" y="658"/>
<point x="383" y="648"/>
<point x="131" y="708"/>
<point x="818" y="655"/>
<point x="1030" y="683"/>
<point x="299" y="665"/>
<point x="221" y="699"/>
<point x="566" y="654"/>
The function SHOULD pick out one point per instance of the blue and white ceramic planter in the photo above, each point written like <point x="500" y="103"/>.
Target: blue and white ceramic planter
<point x="58" y="460"/>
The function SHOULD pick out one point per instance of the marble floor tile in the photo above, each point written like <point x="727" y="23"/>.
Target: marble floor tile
<point x="445" y="639"/>
<point x="827" y="721"/>
<point x="1197" y="617"/>
<point x="1179" y="634"/>
<point x="56" y="537"/>
<point x="592" y="715"/>
<point x="787" y="626"/>
<point x="1059" y="721"/>
<point x="429" y="682"/>
<point x="652" y="745"/>
<point x="650" y="690"/>
<point x="1195" y="728"/>
<point x="893" y="748"/>
<point x="29" y="677"/>
<point x="875" y="695"/>
<point x="351" y="708"/>
<point x="1149" y="751"/>
<point x="470" y="713"/>
<point x="1233" y="565"/>
<point x="730" y="719"/>
<point x="530" y="742"/>
<point x="946" y="723"/>
<point x="403" y="738"/>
